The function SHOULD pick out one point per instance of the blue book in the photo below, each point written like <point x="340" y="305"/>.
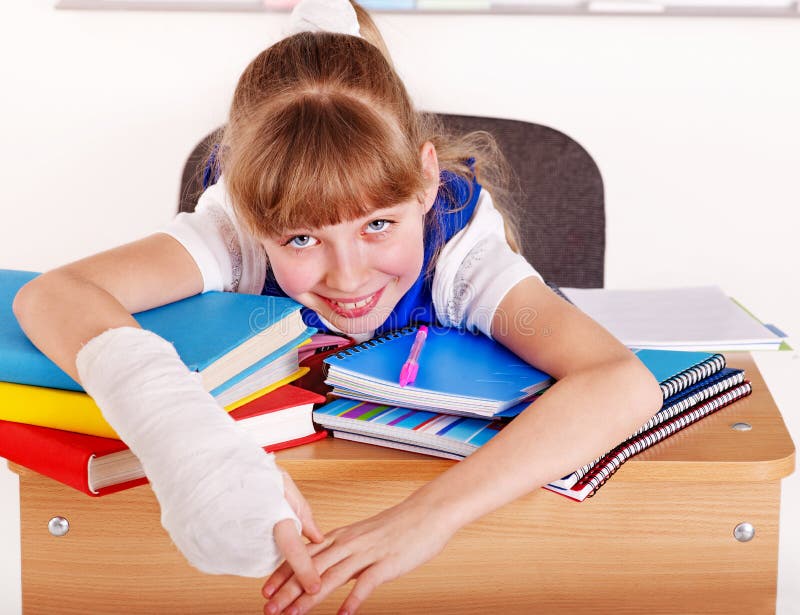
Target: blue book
<point x="459" y="372"/>
<point x="470" y="374"/>
<point x="223" y="336"/>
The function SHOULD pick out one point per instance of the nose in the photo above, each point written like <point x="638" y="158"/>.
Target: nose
<point x="348" y="269"/>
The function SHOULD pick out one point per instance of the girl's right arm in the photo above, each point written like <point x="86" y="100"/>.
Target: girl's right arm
<point x="64" y="308"/>
<point x="80" y="316"/>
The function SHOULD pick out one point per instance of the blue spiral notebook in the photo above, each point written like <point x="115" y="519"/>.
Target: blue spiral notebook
<point x="470" y="374"/>
<point x="223" y="336"/>
<point x="460" y="372"/>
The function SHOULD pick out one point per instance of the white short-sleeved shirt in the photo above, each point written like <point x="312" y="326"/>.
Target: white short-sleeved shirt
<point x="475" y="269"/>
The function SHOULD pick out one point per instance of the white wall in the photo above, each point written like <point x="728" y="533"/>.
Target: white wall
<point x="694" y="123"/>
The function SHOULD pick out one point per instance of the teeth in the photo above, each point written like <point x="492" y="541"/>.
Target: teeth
<point x="354" y="306"/>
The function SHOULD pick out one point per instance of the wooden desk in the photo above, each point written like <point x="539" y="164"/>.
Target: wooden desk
<point x="658" y="538"/>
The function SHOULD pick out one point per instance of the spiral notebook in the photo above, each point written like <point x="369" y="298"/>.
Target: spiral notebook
<point x="673" y="405"/>
<point x="611" y="462"/>
<point x="460" y="372"/>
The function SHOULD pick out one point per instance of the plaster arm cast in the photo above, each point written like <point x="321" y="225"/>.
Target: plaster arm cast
<point x="220" y="493"/>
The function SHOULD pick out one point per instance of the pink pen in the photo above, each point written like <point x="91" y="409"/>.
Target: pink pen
<point x="409" y="372"/>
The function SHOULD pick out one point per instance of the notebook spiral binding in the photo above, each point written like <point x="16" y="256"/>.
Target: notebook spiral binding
<point x="374" y="342"/>
<point x="691" y="376"/>
<point x="670" y="412"/>
<point x="600" y="476"/>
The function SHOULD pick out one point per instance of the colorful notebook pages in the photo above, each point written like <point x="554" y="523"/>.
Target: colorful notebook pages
<point x="457" y="435"/>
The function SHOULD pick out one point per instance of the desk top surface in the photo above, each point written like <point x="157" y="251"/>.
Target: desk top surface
<point x="709" y="450"/>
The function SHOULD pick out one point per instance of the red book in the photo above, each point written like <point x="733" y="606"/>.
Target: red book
<point x="99" y="466"/>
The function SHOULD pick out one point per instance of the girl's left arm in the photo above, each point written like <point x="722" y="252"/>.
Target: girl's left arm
<point x="599" y="384"/>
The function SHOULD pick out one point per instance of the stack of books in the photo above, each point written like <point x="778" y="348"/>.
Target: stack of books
<point x="470" y="387"/>
<point x="244" y="347"/>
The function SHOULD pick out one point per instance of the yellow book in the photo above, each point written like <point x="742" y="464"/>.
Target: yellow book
<point x="75" y="411"/>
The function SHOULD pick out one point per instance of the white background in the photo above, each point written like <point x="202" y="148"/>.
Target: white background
<point x="695" y="123"/>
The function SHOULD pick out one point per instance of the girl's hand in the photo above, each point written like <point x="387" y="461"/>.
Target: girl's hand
<point x="301" y="508"/>
<point x="290" y="543"/>
<point x="372" y="551"/>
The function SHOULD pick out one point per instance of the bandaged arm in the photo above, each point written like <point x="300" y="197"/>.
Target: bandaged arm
<point x="220" y="493"/>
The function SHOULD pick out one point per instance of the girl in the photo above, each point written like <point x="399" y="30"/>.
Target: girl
<point x="332" y="189"/>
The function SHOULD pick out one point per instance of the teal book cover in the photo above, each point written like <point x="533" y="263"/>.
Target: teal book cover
<point x="676" y="370"/>
<point x="203" y="328"/>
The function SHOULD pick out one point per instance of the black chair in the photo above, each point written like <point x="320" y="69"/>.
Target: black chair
<point x="560" y="213"/>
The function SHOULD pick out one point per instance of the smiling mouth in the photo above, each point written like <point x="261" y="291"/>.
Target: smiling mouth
<point x="355" y="309"/>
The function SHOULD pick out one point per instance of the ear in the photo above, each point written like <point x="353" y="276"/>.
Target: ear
<point x="430" y="171"/>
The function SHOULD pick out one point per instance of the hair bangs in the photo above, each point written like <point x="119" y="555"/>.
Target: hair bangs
<point x="327" y="157"/>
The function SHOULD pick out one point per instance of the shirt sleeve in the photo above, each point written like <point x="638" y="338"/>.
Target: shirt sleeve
<point x="476" y="269"/>
<point x="230" y="258"/>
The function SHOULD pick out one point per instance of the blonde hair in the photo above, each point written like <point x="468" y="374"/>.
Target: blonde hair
<point x="322" y="130"/>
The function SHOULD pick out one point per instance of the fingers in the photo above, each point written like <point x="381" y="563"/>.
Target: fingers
<point x="366" y="583"/>
<point x="296" y="602"/>
<point x="297" y="556"/>
<point x="301" y="508"/>
<point x="310" y="528"/>
<point x="276" y="580"/>
<point x="285" y="596"/>
<point x="337" y="576"/>
<point x="284" y="572"/>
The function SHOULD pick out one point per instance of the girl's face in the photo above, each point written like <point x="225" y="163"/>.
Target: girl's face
<point x="354" y="273"/>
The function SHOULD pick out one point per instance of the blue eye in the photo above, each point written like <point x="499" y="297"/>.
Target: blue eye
<point x="377" y="226"/>
<point x="301" y="241"/>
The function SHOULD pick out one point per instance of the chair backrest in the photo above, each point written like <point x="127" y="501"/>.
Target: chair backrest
<point x="560" y="213"/>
